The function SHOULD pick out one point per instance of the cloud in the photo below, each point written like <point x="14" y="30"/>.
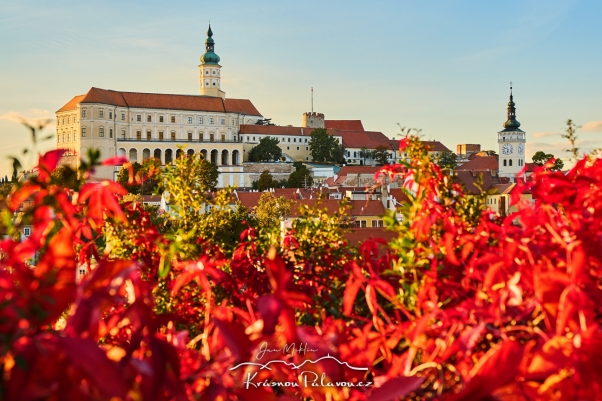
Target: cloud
<point x="545" y="133"/>
<point x="592" y="126"/>
<point x="35" y="117"/>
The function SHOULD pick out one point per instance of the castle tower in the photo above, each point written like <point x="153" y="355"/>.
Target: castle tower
<point x="511" y="142"/>
<point x="313" y="120"/>
<point x="210" y="69"/>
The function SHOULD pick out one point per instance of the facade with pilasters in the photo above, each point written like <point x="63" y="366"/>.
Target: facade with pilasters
<point x="164" y="126"/>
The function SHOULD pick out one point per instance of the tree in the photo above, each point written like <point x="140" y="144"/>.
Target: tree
<point x="325" y="147"/>
<point x="381" y="155"/>
<point x="447" y="160"/>
<point x="300" y="178"/>
<point x="540" y="158"/>
<point x="271" y="209"/>
<point x="365" y="153"/>
<point x="143" y="176"/>
<point x="265" y="181"/>
<point x="266" y="150"/>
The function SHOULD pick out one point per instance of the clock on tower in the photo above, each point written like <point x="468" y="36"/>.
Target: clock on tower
<point x="511" y="142"/>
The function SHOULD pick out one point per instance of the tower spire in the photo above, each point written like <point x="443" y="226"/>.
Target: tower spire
<point x="511" y="123"/>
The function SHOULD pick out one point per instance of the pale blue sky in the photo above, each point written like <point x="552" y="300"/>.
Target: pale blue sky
<point x="443" y="66"/>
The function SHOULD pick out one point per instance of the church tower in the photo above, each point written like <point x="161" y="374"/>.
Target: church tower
<point x="511" y="142"/>
<point x="210" y="69"/>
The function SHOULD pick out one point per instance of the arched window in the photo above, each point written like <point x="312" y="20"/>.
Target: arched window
<point x="505" y="163"/>
<point x="510" y="162"/>
<point x="173" y="135"/>
<point x="101" y="132"/>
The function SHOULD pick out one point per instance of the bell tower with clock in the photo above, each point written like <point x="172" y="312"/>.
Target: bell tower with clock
<point x="512" y="141"/>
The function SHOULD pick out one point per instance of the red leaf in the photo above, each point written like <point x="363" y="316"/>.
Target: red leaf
<point x="395" y="388"/>
<point x="351" y="290"/>
<point x="493" y="370"/>
<point x="88" y="357"/>
<point x="269" y="308"/>
<point x="234" y="336"/>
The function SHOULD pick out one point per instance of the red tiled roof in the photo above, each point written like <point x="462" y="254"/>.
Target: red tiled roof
<point x="394" y="144"/>
<point x="72" y="104"/>
<point x="399" y="195"/>
<point x="248" y="199"/>
<point x="435" y="146"/>
<point x="359" y="235"/>
<point x="358" y="207"/>
<point x="480" y="163"/>
<point x="349" y="125"/>
<point x="250" y="129"/>
<point x="164" y="101"/>
<point x="503" y="188"/>
<point x="469" y="180"/>
<point x="367" y="139"/>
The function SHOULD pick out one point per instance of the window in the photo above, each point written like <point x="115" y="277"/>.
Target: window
<point x="110" y="133"/>
<point x="307" y="148"/>
<point x="101" y="113"/>
<point x="223" y="121"/>
<point x="211" y="137"/>
<point x="74" y="119"/>
<point x="83" y="132"/>
<point x="505" y="163"/>
<point x="189" y="120"/>
<point x="160" y="135"/>
<point x="63" y="137"/>
<point x="27" y="231"/>
<point x="139" y="135"/>
<point x="354" y="154"/>
<point x="173" y="119"/>
<point x="307" y="158"/>
<point x="58" y="138"/>
<point x="149" y="119"/>
<point x="101" y="132"/>
<point x="123" y="133"/>
<point x="305" y="140"/>
<point x="148" y="135"/>
<point x="360" y="223"/>
<point x="84" y="113"/>
<point x="138" y="117"/>
<point x="510" y="162"/>
<point x="68" y="120"/>
<point x="201" y="139"/>
<point x="294" y="139"/>
<point x="288" y="140"/>
<point x="211" y="120"/>
<point x="206" y="72"/>
<point x="253" y="138"/>
<point x="122" y="116"/>
<point x="297" y="148"/>
<point x="247" y="139"/>
<point x="288" y="148"/>
<point x="160" y="119"/>
<point x="110" y="115"/>
<point x="213" y="72"/>
<point x="190" y="135"/>
<point x="206" y="83"/>
<point x="173" y="135"/>
<point x="223" y="138"/>
<point x="68" y="137"/>
<point x="200" y="120"/>
<point x="377" y="223"/>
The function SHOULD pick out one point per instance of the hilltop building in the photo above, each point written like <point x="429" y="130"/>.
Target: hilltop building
<point x="512" y="141"/>
<point x="142" y="125"/>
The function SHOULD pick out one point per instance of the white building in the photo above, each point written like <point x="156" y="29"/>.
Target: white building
<point x="512" y="143"/>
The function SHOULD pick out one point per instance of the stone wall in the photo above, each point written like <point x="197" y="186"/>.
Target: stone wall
<point x="273" y="168"/>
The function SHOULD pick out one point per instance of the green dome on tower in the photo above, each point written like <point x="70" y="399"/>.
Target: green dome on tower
<point x="209" y="57"/>
<point x="511" y="123"/>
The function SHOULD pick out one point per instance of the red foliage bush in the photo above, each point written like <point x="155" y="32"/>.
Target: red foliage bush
<point x="506" y="309"/>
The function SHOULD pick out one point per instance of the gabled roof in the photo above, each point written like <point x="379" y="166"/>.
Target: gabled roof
<point x="469" y="180"/>
<point x="347" y="125"/>
<point x="163" y="101"/>
<point x="480" y="163"/>
<point x="435" y="146"/>
<point x="399" y="195"/>
<point x="367" y="139"/>
<point x="273" y="130"/>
